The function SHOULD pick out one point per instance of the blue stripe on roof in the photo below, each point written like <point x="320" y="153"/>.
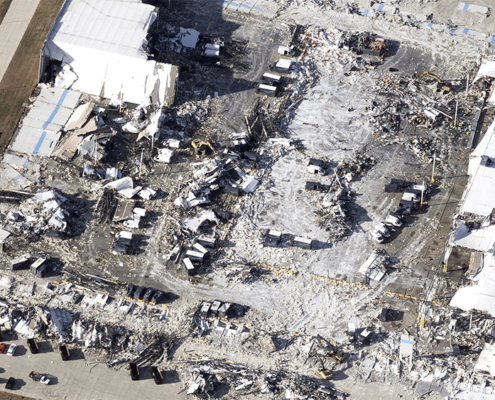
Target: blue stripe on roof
<point x="17" y="178"/>
<point x="40" y="142"/>
<point x="380" y="7"/>
<point x="406" y="341"/>
<point x="465" y="31"/>
<point x="466" y="6"/>
<point x="55" y="111"/>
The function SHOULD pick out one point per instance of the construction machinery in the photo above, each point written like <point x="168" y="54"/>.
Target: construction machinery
<point x="446" y="87"/>
<point x="199" y="145"/>
<point x="327" y="349"/>
<point x="324" y="372"/>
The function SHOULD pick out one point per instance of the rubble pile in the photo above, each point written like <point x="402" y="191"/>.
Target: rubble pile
<point x="335" y="211"/>
<point x="354" y="168"/>
<point x="70" y="316"/>
<point x="44" y="212"/>
<point x="207" y="376"/>
<point x="424" y="148"/>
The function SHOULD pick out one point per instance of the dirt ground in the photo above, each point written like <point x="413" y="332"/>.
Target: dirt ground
<point x="21" y="77"/>
<point x="4" y="6"/>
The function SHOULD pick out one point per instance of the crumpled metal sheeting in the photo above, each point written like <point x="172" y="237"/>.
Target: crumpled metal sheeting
<point x="207" y="376"/>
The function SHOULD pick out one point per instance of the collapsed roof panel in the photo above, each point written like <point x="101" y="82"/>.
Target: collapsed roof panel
<point x="40" y="128"/>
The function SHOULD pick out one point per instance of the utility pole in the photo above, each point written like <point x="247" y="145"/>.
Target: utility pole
<point x="455" y="118"/>
<point x="433" y="170"/>
<point x="467" y="85"/>
<point x="140" y="164"/>
<point x="422" y="192"/>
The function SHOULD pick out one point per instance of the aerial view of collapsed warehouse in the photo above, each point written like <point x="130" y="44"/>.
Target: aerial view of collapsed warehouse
<point x="266" y="198"/>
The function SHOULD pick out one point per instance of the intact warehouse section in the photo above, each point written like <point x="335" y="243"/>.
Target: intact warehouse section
<point x="251" y="199"/>
<point x="100" y="48"/>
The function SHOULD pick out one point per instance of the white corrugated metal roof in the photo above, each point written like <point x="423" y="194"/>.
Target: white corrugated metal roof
<point x="110" y="26"/>
<point x="102" y="41"/>
<point x="480" y="192"/>
<point x="480" y="296"/>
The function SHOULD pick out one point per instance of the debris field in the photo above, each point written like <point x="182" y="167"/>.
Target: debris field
<point x="280" y="198"/>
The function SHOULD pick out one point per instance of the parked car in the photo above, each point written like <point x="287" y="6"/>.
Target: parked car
<point x="37" y="377"/>
<point x="3" y="346"/>
<point x="12" y="349"/>
<point x="10" y="383"/>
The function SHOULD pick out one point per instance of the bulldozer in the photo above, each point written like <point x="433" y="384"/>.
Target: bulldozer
<point x="446" y="87"/>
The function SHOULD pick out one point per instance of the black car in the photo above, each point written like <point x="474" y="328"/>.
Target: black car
<point x="10" y="383"/>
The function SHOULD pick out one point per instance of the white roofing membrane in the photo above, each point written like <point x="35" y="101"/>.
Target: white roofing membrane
<point x="482" y="239"/>
<point x="480" y="296"/>
<point x="480" y="192"/>
<point x="109" y="26"/>
<point x="486" y="360"/>
<point x="40" y="130"/>
<point x="487" y="68"/>
<point x="102" y="42"/>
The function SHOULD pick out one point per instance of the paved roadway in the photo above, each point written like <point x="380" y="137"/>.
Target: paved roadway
<point x="78" y="378"/>
<point x="12" y="29"/>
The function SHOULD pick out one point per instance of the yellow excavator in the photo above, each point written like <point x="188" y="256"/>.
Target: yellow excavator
<point x="324" y="372"/>
<point x="199" y="144"/>
<point x="441" y="85"/>
<point x="326" y="348"/>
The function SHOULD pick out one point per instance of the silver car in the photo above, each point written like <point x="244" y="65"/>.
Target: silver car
<point x="12" y="349"/>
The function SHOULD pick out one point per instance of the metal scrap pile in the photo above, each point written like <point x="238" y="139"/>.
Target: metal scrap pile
<point x="335" y="212"/>
<point x="208" y="377"/>
<point x="353" y="168"/>
<point x="46" y="211"/>
<point x="424" y="148"/>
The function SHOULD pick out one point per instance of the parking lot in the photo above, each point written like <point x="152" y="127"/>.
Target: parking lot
<point x="78" y="378"/>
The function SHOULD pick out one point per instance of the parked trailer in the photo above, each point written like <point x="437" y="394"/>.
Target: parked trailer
<point x="271" y="79"/>
<point x="267" y="90"/>
<point x="134" y="371"/>
<point x="64" y="352"/>
<point x="33" y="346"/>
<point x="157" y="375"/>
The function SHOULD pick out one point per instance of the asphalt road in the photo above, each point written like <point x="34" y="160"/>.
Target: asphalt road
<point x="12" y="29"/>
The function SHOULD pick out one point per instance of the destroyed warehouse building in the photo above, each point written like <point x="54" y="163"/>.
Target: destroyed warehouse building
<point x="299" y="208"/>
